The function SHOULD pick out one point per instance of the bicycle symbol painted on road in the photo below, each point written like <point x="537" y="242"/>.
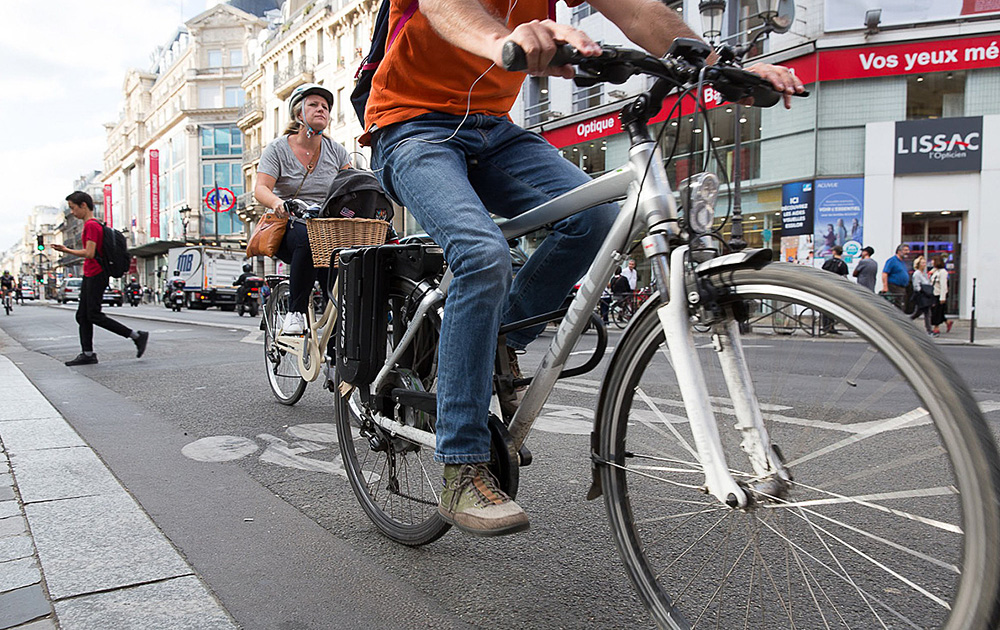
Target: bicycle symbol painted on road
<point x="317" y="437"/>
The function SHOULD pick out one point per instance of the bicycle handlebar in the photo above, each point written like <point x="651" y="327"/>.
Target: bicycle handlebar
<point x="616" y="64"/>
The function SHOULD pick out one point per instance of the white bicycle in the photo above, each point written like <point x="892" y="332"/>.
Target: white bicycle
<point x="751" y="479"/>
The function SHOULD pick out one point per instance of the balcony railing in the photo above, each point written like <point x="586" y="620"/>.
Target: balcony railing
<point x="535" y="114"/>
<point x="300" y="69"/>
<point x="220" y="70"/>
<point x="250" y="154"/>
<point x="249" y="108"/>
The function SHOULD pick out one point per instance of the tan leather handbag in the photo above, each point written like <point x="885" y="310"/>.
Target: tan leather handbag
<point x="267" y="235"/>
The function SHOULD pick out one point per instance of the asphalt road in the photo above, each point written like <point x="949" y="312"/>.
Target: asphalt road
<point x="277" y="533"/>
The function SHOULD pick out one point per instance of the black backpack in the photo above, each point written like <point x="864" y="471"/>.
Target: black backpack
<point x="380" y="43"/>
<point x="116" y="260"/>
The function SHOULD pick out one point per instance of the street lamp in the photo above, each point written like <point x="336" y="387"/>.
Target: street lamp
<point x="711" y="18"/>
<point x="184" y="212"/>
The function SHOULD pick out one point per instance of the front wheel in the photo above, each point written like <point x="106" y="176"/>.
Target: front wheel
<point x="891" y="516"/>
<point x="282" y="368"/>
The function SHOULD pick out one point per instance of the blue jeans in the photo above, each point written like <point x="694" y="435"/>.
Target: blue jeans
<point x="489" y="166"/>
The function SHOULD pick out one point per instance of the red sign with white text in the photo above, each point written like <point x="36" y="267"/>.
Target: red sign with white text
<point x="154" y="194"/>
<point x="107" y="205"/>
<point x="939" y="55"/>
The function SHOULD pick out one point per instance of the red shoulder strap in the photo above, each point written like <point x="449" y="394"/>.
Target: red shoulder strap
<point x="410" y="10"/>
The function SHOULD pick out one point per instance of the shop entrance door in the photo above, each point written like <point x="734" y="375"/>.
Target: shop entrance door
<point x="932" y="234"/>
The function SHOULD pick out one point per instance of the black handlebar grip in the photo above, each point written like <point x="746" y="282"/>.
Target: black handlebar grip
<point x="764" y="96"/>
<point x="515" y="60"/>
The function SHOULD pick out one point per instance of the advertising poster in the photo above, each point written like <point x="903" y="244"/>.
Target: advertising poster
<point x="839" y="218"/>
<point x="797" y="222"/>
<point x="154" y="194"/>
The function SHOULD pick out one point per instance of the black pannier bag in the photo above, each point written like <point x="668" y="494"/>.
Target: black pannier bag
<point x="363" y="279"/>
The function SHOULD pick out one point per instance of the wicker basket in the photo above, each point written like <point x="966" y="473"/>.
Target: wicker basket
<point x="328" y="235"/>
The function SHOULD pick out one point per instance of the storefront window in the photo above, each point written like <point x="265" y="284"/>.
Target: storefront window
<point x="714" y="139"/>
<point x="224" y="175"/>
<point x="935" y="95"/>
<point x="536" y="100"/>
<point x="589" y="156"/>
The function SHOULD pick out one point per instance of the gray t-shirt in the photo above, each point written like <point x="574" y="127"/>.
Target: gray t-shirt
<point x="278" y="161"/>
<point x="867" y="269"/>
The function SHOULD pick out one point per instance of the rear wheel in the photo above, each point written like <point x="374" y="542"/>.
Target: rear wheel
<point x="282" y="367"/>
<point x="891" y="517"/>
<point x="396" y="481"/>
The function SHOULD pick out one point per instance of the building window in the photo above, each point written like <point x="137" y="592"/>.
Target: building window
<point x="221" y="141"/>
<point x="235" y="58"/>
<point x="589" y="156"/>
<point x="225" y="174"/>
<point x="536" y="100"/>
<point x="580" y="12"/>
<point x="234" y="96"/>
<point x="340" y="105"/>
<point x="319" y="46"/>
<point x="687" y="159"/>
<point x="935" y="95"/>
<point x="209" y="97"/>
<point x="587" y="97"/>
<point x="215" y="59"/>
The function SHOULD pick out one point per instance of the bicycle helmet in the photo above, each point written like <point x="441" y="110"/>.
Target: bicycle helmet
<point x="247" y="267"/>
<point x="304" y="90"/>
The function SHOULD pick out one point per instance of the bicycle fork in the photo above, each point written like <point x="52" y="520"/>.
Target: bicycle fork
<point x="675" y="320"/>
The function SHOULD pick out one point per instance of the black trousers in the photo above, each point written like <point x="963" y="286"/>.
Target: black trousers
<point x="295" y="251"/>
<point x="88" y="313"/>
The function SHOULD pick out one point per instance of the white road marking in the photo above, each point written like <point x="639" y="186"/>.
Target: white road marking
<point x="220" y="448"/>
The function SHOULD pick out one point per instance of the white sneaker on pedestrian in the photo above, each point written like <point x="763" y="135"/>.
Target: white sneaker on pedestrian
<point x="293" y="324"/>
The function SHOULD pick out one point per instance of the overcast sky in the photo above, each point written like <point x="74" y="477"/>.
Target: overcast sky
<point x="62" y="64"/>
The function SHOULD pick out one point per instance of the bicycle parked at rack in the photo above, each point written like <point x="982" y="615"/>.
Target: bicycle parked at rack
<point x="751" y="480"/>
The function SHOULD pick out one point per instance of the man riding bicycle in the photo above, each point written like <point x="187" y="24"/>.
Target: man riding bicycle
<point x="6" y="284"/>
<point x="444" y="146"/>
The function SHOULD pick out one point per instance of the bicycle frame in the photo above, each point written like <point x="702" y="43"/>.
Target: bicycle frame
<point x="649" y="204"/>
<point x="310" y="346"/>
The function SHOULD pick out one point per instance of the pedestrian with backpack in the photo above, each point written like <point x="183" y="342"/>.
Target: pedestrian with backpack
<point x="95" y="281"/>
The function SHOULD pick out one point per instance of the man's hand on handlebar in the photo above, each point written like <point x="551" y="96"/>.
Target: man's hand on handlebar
<point x="539" y="40"/>
<point x="782" y="79"/>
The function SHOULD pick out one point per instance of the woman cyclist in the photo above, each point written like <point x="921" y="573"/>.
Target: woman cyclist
<point x="300" y="164"/>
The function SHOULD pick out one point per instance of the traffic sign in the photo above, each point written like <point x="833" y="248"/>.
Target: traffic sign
<point x="223" y="203"/>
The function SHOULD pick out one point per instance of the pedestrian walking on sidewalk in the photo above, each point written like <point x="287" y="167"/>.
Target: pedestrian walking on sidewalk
<point x="866" y="269"/>
<point x="834" y="264"/>
<point x="922" y="296"/>
<point x="95" y="281"/>
<point x="939" y="280"/>
<point x="895" y="277"/>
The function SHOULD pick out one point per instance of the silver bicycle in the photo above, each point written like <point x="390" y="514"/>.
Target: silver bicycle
<point x="751" y="479"/>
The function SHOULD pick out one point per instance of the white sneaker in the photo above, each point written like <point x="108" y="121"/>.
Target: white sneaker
<point x="293" y="324"/>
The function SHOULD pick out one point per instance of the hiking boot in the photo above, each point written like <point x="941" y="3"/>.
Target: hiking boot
<point x="82" y="359"/>
<point x="473" y="502"/>
<point x="140" y="343"/>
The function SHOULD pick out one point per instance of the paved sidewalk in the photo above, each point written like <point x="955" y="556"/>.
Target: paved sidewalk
<point x="76" y="551"/>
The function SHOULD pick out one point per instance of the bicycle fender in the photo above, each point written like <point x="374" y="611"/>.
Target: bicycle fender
<point x="755" y="258"/>
<point x="652" y="303"/>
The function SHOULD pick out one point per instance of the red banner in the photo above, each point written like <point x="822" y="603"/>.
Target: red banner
<point x="154" y="193"/>
<point x="107" y="205"/>
<point x="940" y="55"/>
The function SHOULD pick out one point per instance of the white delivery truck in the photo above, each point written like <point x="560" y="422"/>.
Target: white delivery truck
<point x="208" y="274"/>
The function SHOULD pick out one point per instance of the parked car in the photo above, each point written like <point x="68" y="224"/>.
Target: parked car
<point x="69" y="290"/>
<point x="113" y="297"/>
<point x="28" y="293"/>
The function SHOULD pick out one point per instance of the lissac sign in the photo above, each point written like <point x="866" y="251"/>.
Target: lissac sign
<point x="939" y="145"/>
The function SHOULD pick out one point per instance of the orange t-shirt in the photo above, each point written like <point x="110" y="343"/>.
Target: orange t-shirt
<point x="422" y="73"/>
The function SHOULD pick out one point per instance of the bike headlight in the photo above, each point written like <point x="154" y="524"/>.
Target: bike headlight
<point x="700" y="192"/>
